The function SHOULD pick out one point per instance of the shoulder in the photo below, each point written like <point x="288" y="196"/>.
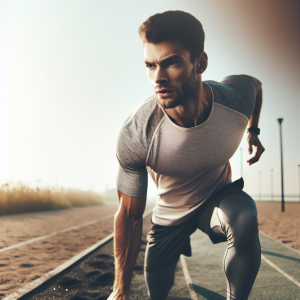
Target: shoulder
<point x="237" y="92"/>
<point x="136" y="132"/>
<point x="143" y="120"/>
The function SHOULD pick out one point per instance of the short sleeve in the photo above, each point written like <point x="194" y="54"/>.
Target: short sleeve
<point x="241" y="83"/>
<point x="132" y="178"/>
<point x="242" y="93"/>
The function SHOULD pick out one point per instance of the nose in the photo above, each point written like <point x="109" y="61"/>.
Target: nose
<point x="160" y="76"/>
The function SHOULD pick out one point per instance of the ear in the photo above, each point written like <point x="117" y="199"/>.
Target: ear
<point x="201" y="63"/>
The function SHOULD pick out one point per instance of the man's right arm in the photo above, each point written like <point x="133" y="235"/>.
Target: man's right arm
<point x="128" y="236"/>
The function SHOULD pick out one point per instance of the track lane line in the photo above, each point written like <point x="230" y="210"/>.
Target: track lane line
<point x="39" y="281"/>
<point x="278" y="242"/>
<point x="187" y="277"/>
<point x="53" y="233"/>
<point x="289" y="277"/>
<point x="189" y="280"/>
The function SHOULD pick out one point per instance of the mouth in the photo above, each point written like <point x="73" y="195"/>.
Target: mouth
<point x="164" y="92"/>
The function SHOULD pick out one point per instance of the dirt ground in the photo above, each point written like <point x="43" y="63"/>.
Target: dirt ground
<point x="21" y="265"/>
<point x="282" y="226"/>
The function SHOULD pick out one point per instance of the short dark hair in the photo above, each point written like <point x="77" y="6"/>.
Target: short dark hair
<point x="174" y="25"/>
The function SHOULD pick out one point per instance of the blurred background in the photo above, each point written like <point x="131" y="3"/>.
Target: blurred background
<point x="72" y="71"/>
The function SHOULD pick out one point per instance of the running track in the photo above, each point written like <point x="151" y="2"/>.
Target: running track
<point x="201" y="276"/>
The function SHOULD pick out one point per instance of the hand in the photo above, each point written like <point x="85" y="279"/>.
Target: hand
<point x="254" y="142"/>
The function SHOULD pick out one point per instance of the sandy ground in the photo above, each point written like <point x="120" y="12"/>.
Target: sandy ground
<point x="282" y="226"/>
<point x="22" y="265"/>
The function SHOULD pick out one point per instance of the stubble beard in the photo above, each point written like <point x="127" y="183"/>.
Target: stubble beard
<point x="183" y="94"/>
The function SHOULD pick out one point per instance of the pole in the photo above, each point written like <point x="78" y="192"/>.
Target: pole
<point x="1" y="123"/>
<point x="299" y="179"/>
<point x="282" y="190"/>
<point x="272" y="191"/>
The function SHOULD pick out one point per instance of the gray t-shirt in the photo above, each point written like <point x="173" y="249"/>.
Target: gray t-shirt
<point x="187" y="165"/>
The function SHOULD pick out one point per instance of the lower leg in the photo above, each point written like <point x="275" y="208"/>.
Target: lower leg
<point x="238" y="220"/>
<point x="241" y="268"/>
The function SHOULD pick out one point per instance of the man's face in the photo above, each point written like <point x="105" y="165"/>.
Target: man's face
<point x="171" y="72"/>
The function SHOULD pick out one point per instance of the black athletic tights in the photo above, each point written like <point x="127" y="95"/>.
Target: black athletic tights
<point x="236" y="217"/>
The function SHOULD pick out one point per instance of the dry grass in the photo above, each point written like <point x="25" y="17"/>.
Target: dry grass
<point x="19" y="198"/>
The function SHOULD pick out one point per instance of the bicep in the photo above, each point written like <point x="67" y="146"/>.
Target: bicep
<point x="132" y="177"/>
<point x="134" y="206"/>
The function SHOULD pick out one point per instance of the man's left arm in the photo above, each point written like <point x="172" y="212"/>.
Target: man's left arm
<point x="252" y="138"/>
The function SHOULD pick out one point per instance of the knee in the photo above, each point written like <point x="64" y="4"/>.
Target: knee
<point x="247" y="221"/>
<point x="245" y="229"/>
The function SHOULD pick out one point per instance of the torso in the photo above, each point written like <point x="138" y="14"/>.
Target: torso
<point x="188" y="165"/>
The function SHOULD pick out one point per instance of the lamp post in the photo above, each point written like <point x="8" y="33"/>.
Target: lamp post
<point x="299" y="179"/>
<point x="272" y="191"/>
<point x="282" y="190"/>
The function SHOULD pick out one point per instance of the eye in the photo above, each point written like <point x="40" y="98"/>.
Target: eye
<point x="173" y="62"/>
<point x="150" y="66"/>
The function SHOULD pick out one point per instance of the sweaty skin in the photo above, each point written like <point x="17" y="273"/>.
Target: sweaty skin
<point x="179" y="90"/>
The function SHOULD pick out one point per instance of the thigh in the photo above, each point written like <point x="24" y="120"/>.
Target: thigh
<point x="208" y="220"/>
<point x="234" y="206"/>
<point x="166" y="243"/>
<point x="237" y="216"/>
<point x="232" y="209"/>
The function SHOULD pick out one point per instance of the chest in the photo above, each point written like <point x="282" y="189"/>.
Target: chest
<point x="178" y="152"/>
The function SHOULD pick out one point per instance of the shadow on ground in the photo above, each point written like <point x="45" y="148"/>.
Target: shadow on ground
<point x="207" y="294"/>
<point x="281" y="256"/>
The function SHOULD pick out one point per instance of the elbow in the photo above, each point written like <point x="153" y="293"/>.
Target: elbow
<point x="136" y="212"/>
<point x="132" y="207"/>
<point x="135" y="216"/>
<point x="125" y="215"/>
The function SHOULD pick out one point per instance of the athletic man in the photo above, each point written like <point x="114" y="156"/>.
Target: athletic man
<point x="184" y="136"/>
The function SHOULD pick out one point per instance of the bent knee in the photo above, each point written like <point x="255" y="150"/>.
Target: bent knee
<point x="245" y="230"/>
<point x="247" y="222"/>
<point x="238" y="212"/>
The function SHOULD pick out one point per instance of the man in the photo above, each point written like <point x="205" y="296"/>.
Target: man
<point x="184" y="136"/>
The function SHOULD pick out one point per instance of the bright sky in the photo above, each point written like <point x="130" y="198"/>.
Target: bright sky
<point x="72" y="71"/>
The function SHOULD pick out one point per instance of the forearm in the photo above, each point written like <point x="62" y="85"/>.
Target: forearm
<point x="254" y="119"/>
<point x="128" y="235"/>
<point x="252" y="138"/>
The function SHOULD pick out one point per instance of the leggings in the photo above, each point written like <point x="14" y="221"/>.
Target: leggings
<point x="235" y="218"/>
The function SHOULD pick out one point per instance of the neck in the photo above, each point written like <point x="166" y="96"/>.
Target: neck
<point x="195" y="110"/>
